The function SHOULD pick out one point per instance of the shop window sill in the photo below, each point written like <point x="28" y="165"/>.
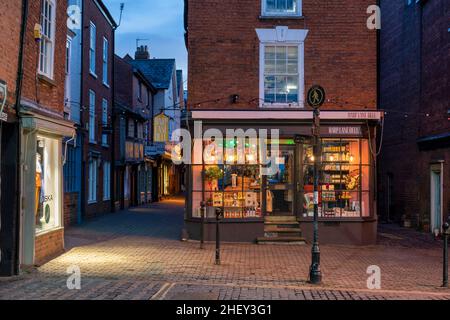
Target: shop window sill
<point x="338" y="219"/>
<point x="44" y="232"/>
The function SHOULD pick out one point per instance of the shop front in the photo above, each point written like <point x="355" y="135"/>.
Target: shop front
<point x="43" y="153"/>
<point x="268" y="172"/>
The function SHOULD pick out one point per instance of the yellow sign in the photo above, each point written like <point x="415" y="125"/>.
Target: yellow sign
<point x="161" y="128"/>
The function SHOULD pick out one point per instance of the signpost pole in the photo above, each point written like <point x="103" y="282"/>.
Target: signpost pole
<point x="316" y="98"/>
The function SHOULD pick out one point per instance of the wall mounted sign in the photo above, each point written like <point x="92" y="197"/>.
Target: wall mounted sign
<point x="344" y="131"/>
<point x="161" y="128"/>
<point x="316" y="96"/>
<point x="3" y="98"/>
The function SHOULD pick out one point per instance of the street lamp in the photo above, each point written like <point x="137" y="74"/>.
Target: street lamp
<point x="316" y="98"/>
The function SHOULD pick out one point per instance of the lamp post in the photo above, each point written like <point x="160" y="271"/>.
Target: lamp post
<point x="315" y="275"/>
<point x="316" y="98"/>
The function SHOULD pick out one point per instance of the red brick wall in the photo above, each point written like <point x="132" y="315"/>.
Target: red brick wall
<point x="340" y="52"/>
<point x="413" y="56"/>
<point x="70" y="208"/>
<point x="50" y="95"/>
<point x="104" y="30"/>
<point x="48" y="246"/>
<point x="10" y="17"/>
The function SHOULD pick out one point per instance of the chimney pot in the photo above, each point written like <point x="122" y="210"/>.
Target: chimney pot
<point x="142" y="53"/>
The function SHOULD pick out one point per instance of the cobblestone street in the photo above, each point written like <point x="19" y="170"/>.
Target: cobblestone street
<point x="137" y="254"/>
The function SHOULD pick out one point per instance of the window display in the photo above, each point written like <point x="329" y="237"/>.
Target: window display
<point x="344" y="190"/>
<point x="237" y="188"/>
<point x="48" y="186"/>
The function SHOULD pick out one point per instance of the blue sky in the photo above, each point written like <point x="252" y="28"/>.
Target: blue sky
<point x="159" y="21"/>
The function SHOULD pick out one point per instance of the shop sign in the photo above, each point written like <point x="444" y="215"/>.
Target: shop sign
<point x="155" y="149"/>
<point x="161" y="128"/>
<point x="345" y="131"/>
<point x="363" y="115"/>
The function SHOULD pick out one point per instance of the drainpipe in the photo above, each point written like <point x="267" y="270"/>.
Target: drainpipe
<point x="19" y="132"/>
<point x="113" y="115"/>
<point x="82" y="209"/>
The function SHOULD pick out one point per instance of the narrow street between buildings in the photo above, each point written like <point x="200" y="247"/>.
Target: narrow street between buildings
<point x="137" y="254"/>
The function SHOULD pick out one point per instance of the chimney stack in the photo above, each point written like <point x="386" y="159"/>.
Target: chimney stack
<point x="142" y="53"/>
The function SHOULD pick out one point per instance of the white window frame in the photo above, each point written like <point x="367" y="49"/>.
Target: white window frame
<point x="92" y="48"/>
<point x="266" y="13"/>
<point x="105" y="61"/>
<point x="47" y="59"/>
<point x="92" y="115"/>
<point x="106" y="181"/>
<point x="93" y="176"/>
<point x="104" y="121"/>
<point x="282" y="36"/>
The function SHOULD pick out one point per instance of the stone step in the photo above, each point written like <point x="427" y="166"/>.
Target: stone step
<point x="279" y="229"/>
<point x="281" y="240"/>
<point x="280" y="219"/>
<point x="286" y="224"/>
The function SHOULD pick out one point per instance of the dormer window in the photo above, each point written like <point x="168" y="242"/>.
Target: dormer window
<point x="282" y="8"/>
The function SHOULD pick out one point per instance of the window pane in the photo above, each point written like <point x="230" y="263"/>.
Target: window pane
<point x="281" y="53"/>
<point x="292" y="89"/>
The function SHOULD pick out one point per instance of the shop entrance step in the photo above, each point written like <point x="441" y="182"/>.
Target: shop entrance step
<point x="281" y="230"/>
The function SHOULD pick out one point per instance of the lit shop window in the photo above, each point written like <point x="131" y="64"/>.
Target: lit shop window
<point x="48" y="184"/>
<point x="233" y="184"/>
<point x="344" y="182"/>
<point x="282" y="7"/>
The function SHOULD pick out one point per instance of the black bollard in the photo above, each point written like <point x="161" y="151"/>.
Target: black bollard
<point x="202" y="227"/>
<point x="445" y="271"/>
<point x="218" y="217"/>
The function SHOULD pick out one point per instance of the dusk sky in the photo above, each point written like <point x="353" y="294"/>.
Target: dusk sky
<point x="159" y="21"/>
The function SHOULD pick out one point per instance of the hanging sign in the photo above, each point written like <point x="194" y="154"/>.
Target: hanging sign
<point x="3" y="97"/>
<point x="316" y="96"/>
<point x="161" y="128"/>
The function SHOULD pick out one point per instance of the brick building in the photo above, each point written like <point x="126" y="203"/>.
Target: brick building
<point x="251" y="63"/>
<point x="96" y="100"/>
<point x="414" y="175"/>
<point x="162" y="74"/>
<point x="133" y="127"/>
<point x="43" y="128"/>
<point x="10" y="22"/>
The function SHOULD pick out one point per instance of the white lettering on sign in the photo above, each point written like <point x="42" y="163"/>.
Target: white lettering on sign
<point x="363" y="115"/>
<point x="345" y="130"/>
